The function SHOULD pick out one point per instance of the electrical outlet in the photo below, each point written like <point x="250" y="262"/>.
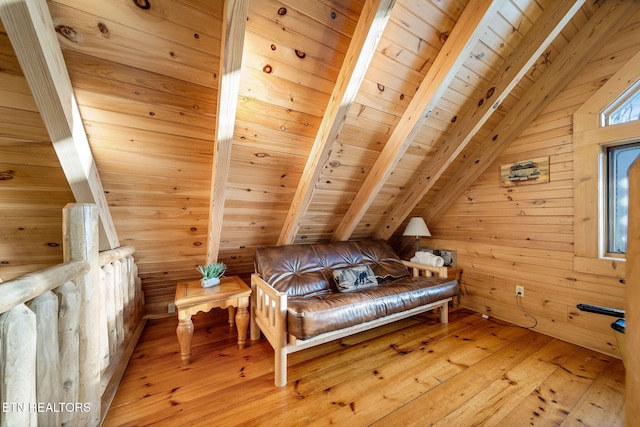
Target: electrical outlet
<point x="519" y="291"/>
<point x="171" y="308"/>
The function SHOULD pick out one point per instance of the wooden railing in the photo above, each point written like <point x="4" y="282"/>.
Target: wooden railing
<point x="67" y="332"/>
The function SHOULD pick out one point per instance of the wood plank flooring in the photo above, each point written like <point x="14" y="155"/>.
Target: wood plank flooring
<point x="471" y="372"/>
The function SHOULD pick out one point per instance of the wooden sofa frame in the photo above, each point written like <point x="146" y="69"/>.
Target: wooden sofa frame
<point x="269" y="315"/>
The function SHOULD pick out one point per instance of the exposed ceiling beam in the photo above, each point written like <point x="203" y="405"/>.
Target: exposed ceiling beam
<point x="233" y="27"/>
<point x="547" y="26"/>
<point x="32" y="35"/>
<point x="371" y="24"/>
<point x="570" y="61"/>
<point x="470" y="27"/>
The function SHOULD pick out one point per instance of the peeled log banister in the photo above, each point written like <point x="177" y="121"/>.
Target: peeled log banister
<point x="72" y="339"/>
<point x="29" y="286"/>
<point x="112" y="255"/>
<point x="18" y="364"/>
<point x="48" y="380"/>
<point x="69" y="301"/>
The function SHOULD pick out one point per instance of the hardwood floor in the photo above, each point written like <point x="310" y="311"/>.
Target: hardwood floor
<point x="414" y="372"/>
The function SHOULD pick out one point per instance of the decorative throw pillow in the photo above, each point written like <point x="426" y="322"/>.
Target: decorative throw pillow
<point x="355" y="278"/>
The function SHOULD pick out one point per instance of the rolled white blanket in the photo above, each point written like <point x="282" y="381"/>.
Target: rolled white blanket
<point x="427" y="258"/>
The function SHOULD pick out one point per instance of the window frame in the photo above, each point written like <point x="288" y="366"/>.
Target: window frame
<point x="610" y="152"/>
<point x="590" y="140"/>
<point x="629" y="93"/>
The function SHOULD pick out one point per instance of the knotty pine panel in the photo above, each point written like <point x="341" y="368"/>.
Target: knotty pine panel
<point x="146" y="173"/>
<point x="22" y="125"/>
<point x="151" y="164"/>
<point x="555" y="260"/>
<point x="397" y="53"/>
<point x="427" y="30"/>
<point x="271" y="178"/>
<point x="396" y="75"/>
<point x="10" y="64"/>
<point x="165" y="19"/>
<point x="167" y="151"/>
<point x="130" y="139"/>
<point x="407" y="48"/>
<point x="81" y="32"/>
<point x="147" y="121"/>
<point x="15" y="93"/>
<point x="265" y="141"/>
<point x="150" y="113"/>
<point x="543" y="290"/>
<point x="246" y="160"/>
<point x="371" y="139"/>
<point x="359" y="114"/>
<point x="298" y="40"/>
<point x="253" y="113"/>
<point x="335" y="14"/>
<point x="279" y="135"/>
<point x="98" y="75"/>
<point x="602" y="342"/>
<point x="295" y="20"/>
<point x="373" y="101"/>
<point x="33" y="189"/>
<point x="282" y="54"/>
<point x="286" y="94"/>
<point x="375" y="86"/>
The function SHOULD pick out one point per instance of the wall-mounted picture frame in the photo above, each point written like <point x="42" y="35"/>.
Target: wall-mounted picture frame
<point x="525" y="172"/>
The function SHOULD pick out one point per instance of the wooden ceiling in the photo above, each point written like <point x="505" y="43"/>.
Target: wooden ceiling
<point x="216" y="130"/>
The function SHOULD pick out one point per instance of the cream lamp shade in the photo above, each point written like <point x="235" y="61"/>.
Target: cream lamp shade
<point x="416" y="227"/>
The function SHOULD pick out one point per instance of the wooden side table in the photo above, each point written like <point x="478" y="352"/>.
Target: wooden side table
<point x="192" y="298"/>
<point x="455" y="273"/>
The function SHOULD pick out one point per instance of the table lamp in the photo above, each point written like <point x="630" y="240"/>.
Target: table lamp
<point x="416" y="227"/>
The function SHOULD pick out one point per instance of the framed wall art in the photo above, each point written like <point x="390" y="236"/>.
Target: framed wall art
<point x="525" y="172"/>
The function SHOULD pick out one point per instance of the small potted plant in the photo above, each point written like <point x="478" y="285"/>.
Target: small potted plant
<point x="211" y="273"/>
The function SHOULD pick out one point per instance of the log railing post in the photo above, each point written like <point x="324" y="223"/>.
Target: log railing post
<point x="68" y="314"/>
<point x="18" y="365"/>
<point x="105" y="354"/>
<point x="80" y="235"/>
<point x="110" y="305"/>
<point x="48" y="382"/>
<point x="117" y="287"/>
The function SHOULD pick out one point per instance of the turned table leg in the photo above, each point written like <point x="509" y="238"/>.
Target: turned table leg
<point x="185" y="333"/>
<point x="232" y="316"/>
<point x="242" y="321"/>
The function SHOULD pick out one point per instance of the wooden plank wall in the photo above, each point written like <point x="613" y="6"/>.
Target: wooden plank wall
<point x="146" y="83"/>
<point x="523" y="235"/>
<point x="33" y="188"/>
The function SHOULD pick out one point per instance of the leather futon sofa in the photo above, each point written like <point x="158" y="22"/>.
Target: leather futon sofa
<point x="305" y="295"/>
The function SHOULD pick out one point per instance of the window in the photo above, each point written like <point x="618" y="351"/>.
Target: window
<point x="626" y="108"/>
<point x="619" y="159"/>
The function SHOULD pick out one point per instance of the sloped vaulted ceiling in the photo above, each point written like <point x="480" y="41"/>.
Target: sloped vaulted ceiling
<point x="216" y="130"/>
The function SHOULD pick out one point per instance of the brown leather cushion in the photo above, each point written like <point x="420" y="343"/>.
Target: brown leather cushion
<point x="377" y="254"/>
<point x="308" y="269"/>
<point x="293" y="269"/>
<point x="313" y="315"/>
